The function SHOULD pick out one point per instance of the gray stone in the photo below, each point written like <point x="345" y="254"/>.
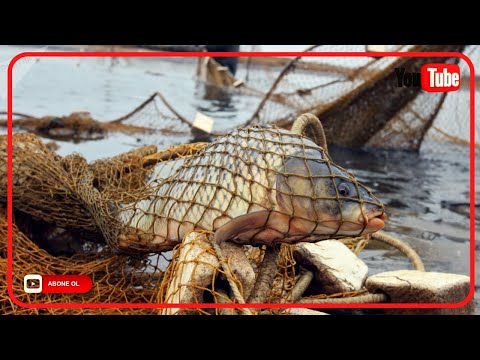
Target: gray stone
<point x="336" y="268"/>
<point x="412" y="286"/>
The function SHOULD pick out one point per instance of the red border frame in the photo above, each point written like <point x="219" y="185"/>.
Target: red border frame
<point x="219" y="54"/>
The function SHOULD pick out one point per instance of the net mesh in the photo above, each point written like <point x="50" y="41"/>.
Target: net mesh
<point x="357" y="99"/>
<point x="41" y="181"/>
<point x="123" y="279"/>
<point x="141" y="224"/>
<point x="452" y="121"/>
<point x="368" y="106"/>
<point x="53" y="186"/>
<point x="113" y="281"/>
<point x="268" y="184"/>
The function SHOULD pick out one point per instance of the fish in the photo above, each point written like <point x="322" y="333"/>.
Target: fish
<point x="260" y="185"/>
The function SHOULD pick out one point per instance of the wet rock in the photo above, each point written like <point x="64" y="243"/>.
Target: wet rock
<point x="412" y="286"/>
<point x="336" y="268"/>
<point x="197" y="268"/>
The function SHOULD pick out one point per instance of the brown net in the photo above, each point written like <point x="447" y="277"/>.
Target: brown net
<point x="123" y="178"/>
<point x="146" y="225"/>
<point x="154" y="114"/>
<point x="452" y="122"/>
<point x="256" y="186"/>
<point x="40" y="182"/>
<point x="365" y="102"/>
<point x="78" y="126"/>
<point x="113" y="279"/>
<point x="194" y="276"/>
<point x="285" y="277"/>
<point x="203" y="186"/>
<point x="48" y="187"/>
<point x="357" y="98"/>
<point x="46" y="204"/>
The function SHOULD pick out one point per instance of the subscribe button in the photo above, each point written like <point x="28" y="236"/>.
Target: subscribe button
<point x="34" y="283"/>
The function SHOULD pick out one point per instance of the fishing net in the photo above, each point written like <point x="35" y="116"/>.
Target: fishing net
<point x="40" y="181"/>
<point x="113" y="279"/>
<point x="143" y="225"/>
<point x="452" y="124"/>
<point x="278" y="184"/>
<point x="78" y="126"/>
<point x="154" y="114"/>
<point x="46" y="185"/>
<point x="196" y="275"/>
<point x="57" y="192"/>
<point x="121" y="279"/>
<point x="358" y="105"/>
<point x="45" y="197"/>
<point x="357" y="98"/>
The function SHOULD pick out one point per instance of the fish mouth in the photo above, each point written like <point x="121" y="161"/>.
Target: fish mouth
<point x="375" y="221"/>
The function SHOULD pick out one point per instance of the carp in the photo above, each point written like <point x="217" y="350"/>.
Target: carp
<point x="257" y="185"/>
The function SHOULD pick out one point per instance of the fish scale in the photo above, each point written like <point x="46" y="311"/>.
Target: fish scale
<point x="234" y="176"/>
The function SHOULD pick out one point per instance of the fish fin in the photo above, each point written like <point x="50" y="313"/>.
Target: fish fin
<point x="241" y="224"/>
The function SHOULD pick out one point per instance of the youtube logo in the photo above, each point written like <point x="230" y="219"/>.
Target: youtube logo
<point x="440" y="77"/>
<point x="32" y="284"/>
<point x="432" y="77"/>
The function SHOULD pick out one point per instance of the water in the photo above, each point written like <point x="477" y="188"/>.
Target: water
<point x="416" y="188"/>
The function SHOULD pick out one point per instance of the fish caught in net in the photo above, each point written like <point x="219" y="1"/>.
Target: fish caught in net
<point x="146" y="225"/>
<point x="257" y="185"/>
<point x="293" y="184"/>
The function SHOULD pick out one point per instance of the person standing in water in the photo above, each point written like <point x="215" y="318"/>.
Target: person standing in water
<point x="230" y="62"/>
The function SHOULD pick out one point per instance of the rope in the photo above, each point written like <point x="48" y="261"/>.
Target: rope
<point x="361" y="299"/>
<point x="454" y="139"/>
<point x="148" y="101"/>
<point x="280" y="76"/>
<point x="302" y="284"/>
<point x="309" y="125"/>
<point x="16" y="114"/>
<point x="137" y="109"/>
<point x="265" y="277"/>
<point x="403" y="247"/>
<point x="236" y="292"/>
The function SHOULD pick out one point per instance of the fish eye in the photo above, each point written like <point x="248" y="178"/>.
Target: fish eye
<point x="343" y="189"/>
